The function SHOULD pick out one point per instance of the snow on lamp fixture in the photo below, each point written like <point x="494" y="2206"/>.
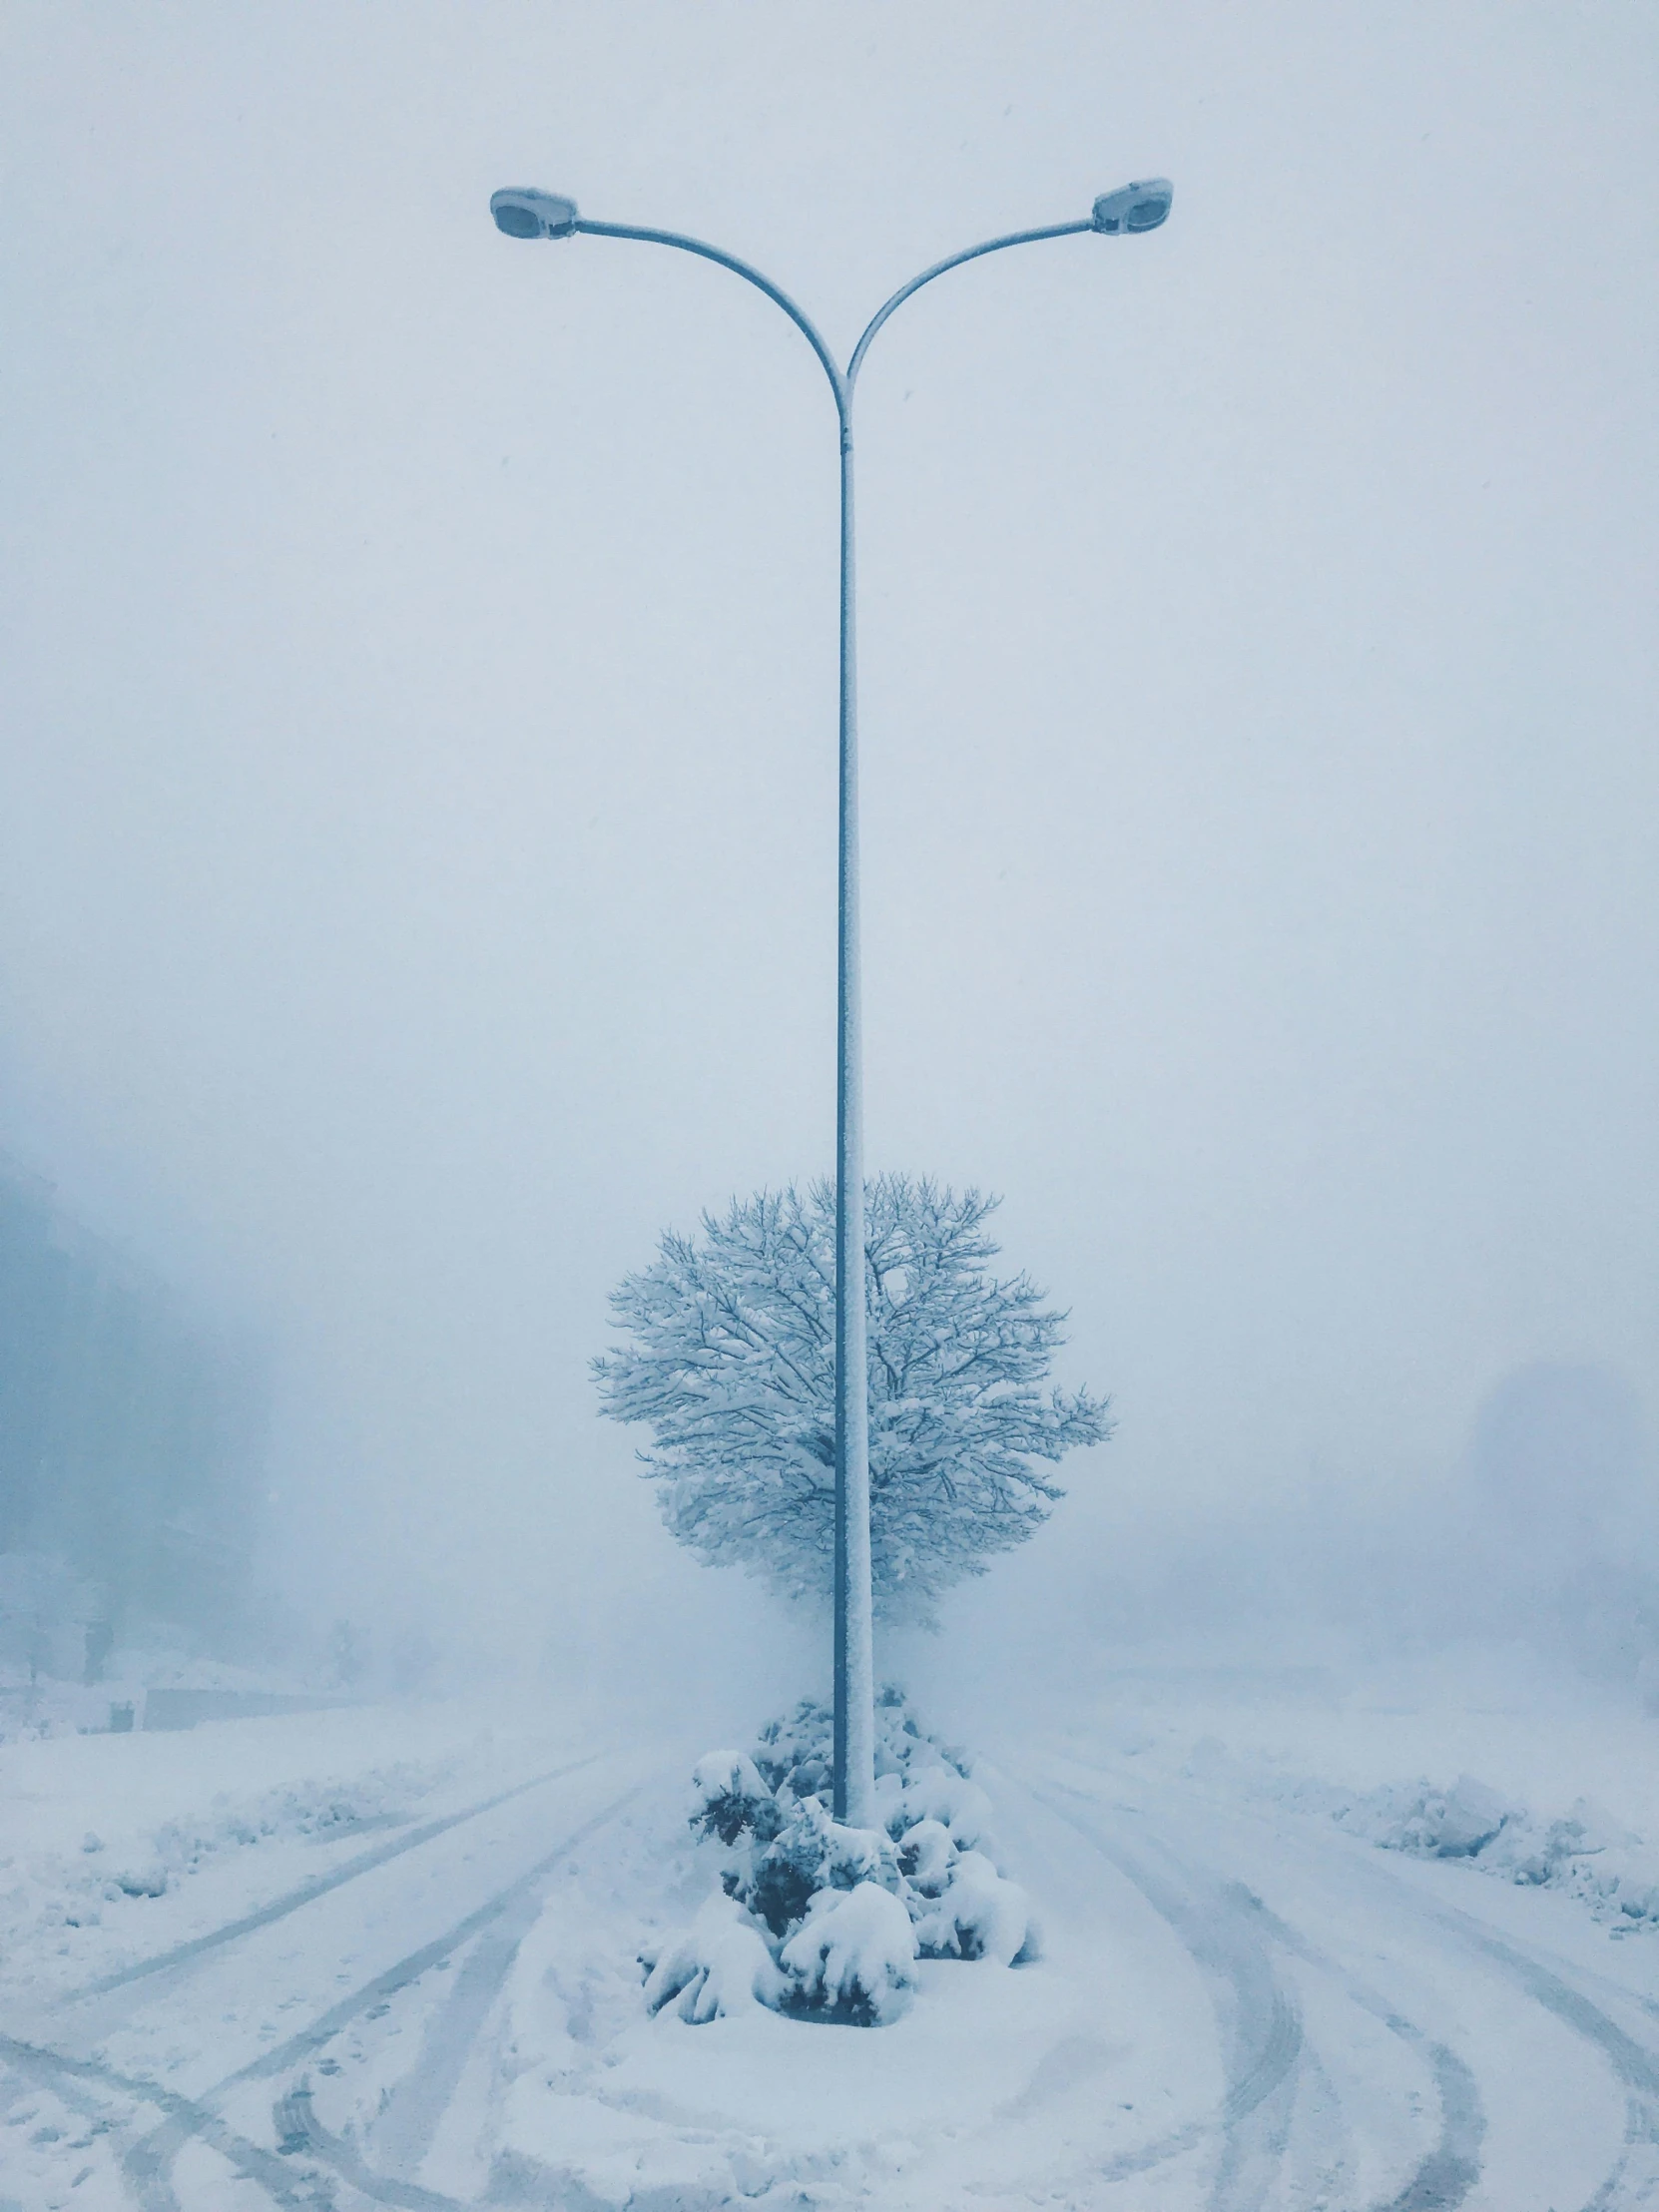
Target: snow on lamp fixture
<point x="1138" y="207"/>
<point x="528" y="213"/>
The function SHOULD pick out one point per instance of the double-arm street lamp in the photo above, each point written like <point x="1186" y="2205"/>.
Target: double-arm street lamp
<point x="544" y="214"/>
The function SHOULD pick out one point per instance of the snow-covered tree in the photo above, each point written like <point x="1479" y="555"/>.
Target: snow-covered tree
<point x="730" y="1361"/>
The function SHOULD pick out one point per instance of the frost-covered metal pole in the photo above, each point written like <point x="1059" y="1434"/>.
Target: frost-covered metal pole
<point x="529" y="214"/>
<point x="855" y="1758"/>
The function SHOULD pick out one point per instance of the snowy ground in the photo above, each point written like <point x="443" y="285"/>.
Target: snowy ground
<point x="387" y="1957"/>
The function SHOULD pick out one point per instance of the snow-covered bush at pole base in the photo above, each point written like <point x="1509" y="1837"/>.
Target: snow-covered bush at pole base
<point x="814" y="1917"/>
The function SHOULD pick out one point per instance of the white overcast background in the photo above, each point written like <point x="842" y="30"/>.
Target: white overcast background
<point x="418" y="778"/>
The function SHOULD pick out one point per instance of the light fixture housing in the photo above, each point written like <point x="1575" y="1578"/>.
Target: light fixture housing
<point x="1137" y="207"/>
<point x="524" y="212"/>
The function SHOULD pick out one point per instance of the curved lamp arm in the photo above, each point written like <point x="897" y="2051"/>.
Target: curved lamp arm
<point x="534" y="214"/>
<point x="841" y="382"/>
<point x="970" y="253"/>
<point x="840" y="386"/>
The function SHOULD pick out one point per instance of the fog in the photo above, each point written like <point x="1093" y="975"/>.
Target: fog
<point x="418" y="769"/>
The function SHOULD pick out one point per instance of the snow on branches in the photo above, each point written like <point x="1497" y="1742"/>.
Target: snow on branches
<point x="730" y="1361"/>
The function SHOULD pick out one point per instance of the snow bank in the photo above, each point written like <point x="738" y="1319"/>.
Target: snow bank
<point x="1584" y="1851"/>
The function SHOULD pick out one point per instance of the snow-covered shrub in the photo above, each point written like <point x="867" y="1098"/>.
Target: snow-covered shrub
<point x="941" y="1793"/>
<point x="796" y="1850"/>
<point x="730" y="1797"/>
<point x="778" y="1883"/>
<point x="796" y="1749"/>
<point x="853" y="1956"/>
<point x="978" y="1916"/>
<point x="718" y="1967"/>
<point x="791" y="1871"/>
<point x="925" y="1855"/>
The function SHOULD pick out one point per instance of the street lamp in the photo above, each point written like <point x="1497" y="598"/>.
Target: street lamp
<point x="1134" y="207"/>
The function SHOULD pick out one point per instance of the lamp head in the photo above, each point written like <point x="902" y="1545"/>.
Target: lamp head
<point x="527" y="213"/>
<point x="1138" y="207"/>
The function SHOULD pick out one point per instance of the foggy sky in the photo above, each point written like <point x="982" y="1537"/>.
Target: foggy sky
<point x="417" y="774"/>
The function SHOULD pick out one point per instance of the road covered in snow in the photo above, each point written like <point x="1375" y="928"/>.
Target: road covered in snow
<point x="391" y="1958"/>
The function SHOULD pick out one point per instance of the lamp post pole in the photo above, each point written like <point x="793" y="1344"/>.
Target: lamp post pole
<point x="528" y="213"/>
<point x="853" y="1765"/>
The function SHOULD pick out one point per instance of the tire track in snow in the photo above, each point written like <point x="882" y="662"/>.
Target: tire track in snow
<point x="405" y="2134"/>
<point x="1634" y="2179"/>
<point x="321" y="2031"/>
<point x="307" y="1891"/>
<point x="327" y="2025"/>
<point x="1443" y="2180"/>
<point x="1256" y="2116"/>
<point x="148" y="2162"/>
<point x="1257" y="2017"/>
<point x="418" y="2101"/>
<point x="300" y="2128"/>
<point x="186" y="2116"/>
